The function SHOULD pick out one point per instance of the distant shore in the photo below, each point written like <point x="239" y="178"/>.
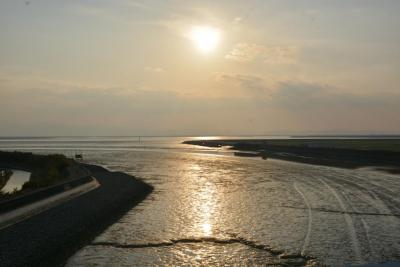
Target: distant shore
<point x="51" y="237"/>
<point x="382" y="154"/>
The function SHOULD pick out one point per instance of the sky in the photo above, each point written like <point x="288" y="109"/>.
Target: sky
<point x="130" y="67"/>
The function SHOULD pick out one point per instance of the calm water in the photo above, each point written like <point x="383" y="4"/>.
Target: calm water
<point x="17" y="179"/>
<point x="211" y="208"/>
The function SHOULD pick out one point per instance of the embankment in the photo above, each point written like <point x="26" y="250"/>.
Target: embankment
<point x="51" y="237"/>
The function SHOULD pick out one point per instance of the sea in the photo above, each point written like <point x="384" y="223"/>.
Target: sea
<point x="211" y="208"/>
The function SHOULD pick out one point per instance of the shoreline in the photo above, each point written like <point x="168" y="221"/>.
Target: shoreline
<point x="350" y="158"/>
<point x="51" y="237"/>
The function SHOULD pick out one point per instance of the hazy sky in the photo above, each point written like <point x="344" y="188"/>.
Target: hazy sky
<point x="121" y="67"/>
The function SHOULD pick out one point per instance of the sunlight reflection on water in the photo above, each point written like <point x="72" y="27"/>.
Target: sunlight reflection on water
<point x="210" y="208"/>
<point x="199" y="196"/>
<point x="16" y="181"/>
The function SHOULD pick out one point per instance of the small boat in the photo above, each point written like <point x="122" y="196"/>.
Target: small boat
<point x="78" y="156"/>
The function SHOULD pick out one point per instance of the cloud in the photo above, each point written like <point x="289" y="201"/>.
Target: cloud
<point x="61" y="108"/>
<point x="294" y="94"/>
<point x="248" y="104"/>
<point x="237" y="20"/>
<point x="302" y="96"/>
<point x="138" y="4"/>
<point x="307" y="95"/>
<point x="251" y="83"/>
<point x="154" y="69"/>
<point x="244" y="52"/>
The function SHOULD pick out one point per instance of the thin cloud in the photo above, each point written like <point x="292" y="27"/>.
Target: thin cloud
<point x="237" y="20"/>
<point x="248" y="82"/>
<point x="307" y="95"/>
<point x="245" y="52"/>
<point x="154" y="69"/>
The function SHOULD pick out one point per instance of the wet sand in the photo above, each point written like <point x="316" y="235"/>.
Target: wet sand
<point x="51" y="237"/>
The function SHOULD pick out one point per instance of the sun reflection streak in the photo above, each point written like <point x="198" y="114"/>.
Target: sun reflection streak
<point x="207" y="208"/>
<point x="207" y="229"/>
<point x="206" y="205"/>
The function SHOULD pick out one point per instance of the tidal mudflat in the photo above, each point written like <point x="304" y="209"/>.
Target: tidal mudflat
<point x="210" y="207"/>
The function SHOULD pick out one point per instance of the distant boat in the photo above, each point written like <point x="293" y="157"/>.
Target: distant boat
<point x="78" y="156"/>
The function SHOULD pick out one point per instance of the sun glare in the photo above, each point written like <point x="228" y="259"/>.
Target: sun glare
<point x="205" y="38"/>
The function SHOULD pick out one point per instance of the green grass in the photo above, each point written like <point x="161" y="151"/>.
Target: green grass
<point x="47" y="170"/>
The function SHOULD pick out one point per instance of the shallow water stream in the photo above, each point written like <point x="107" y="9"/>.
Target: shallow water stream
<point x="17" y="179"/>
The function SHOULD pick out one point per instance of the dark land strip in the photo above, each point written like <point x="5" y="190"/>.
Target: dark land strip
<point x="51" y="237"/>
<point x="334" y="153"/>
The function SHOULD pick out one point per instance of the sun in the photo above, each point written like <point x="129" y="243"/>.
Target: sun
<point x="205" y="38"/>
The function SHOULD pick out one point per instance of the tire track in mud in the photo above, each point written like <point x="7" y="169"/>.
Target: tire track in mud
<point x="349" y="221"/>
<point x="343" y="212"/>
<point x="371" y="198"/>
<point x="378" y="198"/>
<point x="309" y="226"/>
<point x="373" y="202"/>
<point x="363" y="222"/>
<point x="390" y="186"/>
<point x="370" y="204"/>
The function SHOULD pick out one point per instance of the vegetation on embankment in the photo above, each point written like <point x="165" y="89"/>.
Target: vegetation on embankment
<point x="51" y="237"/>
<point x="46" y="170"/>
